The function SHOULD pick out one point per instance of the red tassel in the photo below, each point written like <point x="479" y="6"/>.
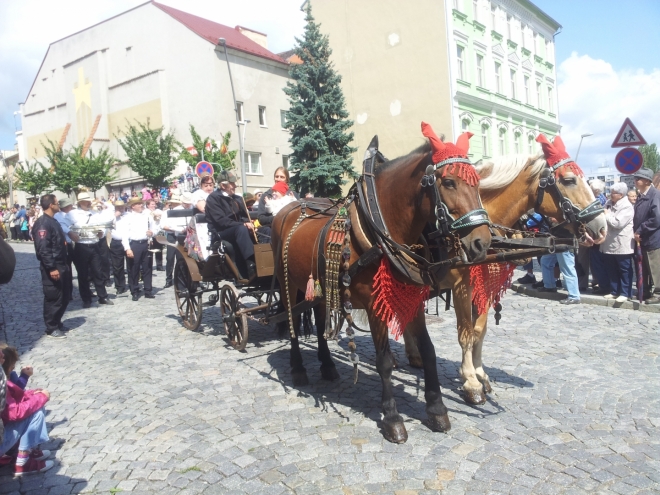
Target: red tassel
<point x="489" y="283"/>
<point x="309" y="293"/>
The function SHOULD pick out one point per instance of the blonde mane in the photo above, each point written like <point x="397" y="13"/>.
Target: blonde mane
<point x="502" y="171"/>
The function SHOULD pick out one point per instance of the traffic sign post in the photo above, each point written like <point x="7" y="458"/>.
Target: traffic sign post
<point x="203" y="168"/>
<point x="628" y="161"/>
<point x="628" y="135"/>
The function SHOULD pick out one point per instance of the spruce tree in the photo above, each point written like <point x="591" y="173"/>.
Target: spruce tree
<point x="317" y="118"/>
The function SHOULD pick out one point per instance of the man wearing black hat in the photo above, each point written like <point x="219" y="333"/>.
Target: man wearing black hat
<point x="646" y="225"/>
<point x="228" y="217"/>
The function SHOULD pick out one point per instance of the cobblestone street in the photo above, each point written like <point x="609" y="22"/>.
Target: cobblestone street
<point x="141" y="405"/>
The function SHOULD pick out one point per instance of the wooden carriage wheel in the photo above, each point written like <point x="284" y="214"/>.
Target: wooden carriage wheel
<point x="236" y="325"/>
<point x="188" y="301"/>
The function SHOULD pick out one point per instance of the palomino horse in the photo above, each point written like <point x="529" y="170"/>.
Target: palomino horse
<point x="406" y="205"/>
<point x="509" y="187"/>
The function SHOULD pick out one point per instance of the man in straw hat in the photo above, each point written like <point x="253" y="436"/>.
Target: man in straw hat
<point x="66" y="205"/>
<point x="136" y="231"/>
<point x="87" y="251"/>
<point x="228" y="217"/>
<point x="174" y="226"/>
<point x="117" y="253"/>
<point x="646" y="226"/>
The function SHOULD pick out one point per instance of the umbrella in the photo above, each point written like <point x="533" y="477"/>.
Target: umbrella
<point x="640" y="272"/>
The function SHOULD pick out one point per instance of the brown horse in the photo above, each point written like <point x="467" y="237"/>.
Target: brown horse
<point x="509" y="188"/>
<point x="406" y="207"/>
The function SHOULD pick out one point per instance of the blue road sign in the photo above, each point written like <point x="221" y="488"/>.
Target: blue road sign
<point x="628" y="161"/>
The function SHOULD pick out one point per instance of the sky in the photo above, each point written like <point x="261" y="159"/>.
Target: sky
<point x="608" y="65"/>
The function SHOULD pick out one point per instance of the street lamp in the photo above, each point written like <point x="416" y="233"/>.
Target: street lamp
<point x="223" y="42"/>
<point x="245" y="123"/>
<point x="581" y="138"/>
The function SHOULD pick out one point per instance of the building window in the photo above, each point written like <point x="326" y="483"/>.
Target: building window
<point x="475" y="10"/>
<point x="523" y="33"/>
<point x="508" y="28"/>
<point x="493" y="17"/>
<point x="457" y="5"/>
<point x="498" y="77"/>
<point x="526" y="79"/>
<point x="541" y="43"/>
<point x="502" y="142"/>
<point x="262" y="117"/>
<point x="283" y="118"/>
<point x="538" y="95"/>
<point x="530" y="144"/>
<point x="239" y="111"/>
<point x="551" y="106"/>
<point x="480" y="70"/>
<point x="285" y="161"/>
<point x="516" y="143"/>
<point x="514" y="96"/>
<point x="460" y="52"/>
<point x="253" y="163"/>
<point x="484" y="140"/>
<point x="465" y="125"/>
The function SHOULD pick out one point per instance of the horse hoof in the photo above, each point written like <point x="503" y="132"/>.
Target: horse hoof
<point x="395" y="432"/>
<point x="439" y="423"/>
<point x="329" y="373"/>
<point x="415" y="362"/>
<point x="474" y="397"/>
<point x="487" y="388"/>
<point x="300" y="379"/>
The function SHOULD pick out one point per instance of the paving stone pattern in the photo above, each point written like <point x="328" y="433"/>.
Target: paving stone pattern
<point x="141" y="405"/>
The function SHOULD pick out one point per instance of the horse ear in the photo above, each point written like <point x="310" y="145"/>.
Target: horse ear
<point x="463" y="142"/>
<point x="542" y="139"/>
<point x="374" y="142"/>
<point x="436" y="142"/>
<point x="558" y="143"/>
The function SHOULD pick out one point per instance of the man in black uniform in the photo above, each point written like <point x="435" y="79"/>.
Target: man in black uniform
<point x="228" y="217"/>
<point x="50" y="248"/>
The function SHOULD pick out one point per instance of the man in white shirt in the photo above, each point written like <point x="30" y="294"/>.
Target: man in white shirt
<point x="156" y="218"/>
<point x="87" y="252"/>
<point x="66" y="205"/>
<point x="174" y="226"/>
<point x="117" y="253"/>
<point x="135" y="233"/>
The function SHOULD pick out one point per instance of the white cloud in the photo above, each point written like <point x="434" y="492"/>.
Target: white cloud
<point x="594" y="98"/>
<point x="27" y="27"/>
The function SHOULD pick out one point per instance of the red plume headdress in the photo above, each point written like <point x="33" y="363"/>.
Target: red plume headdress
<point x="556" y="155"/>
<point x="454" y="156"/>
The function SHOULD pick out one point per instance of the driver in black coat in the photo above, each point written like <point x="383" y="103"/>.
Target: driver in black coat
<point x="228" y="218"/>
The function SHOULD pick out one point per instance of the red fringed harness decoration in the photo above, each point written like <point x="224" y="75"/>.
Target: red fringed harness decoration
<point x="396" y="303"/>
<point x="464" y="171"/>
<point x="489" y="283"/>
<point x="557" y="157"/>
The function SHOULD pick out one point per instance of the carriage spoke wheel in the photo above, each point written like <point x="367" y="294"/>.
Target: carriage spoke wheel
<point x="236" y="325"/>
<point x="188" y="303"/>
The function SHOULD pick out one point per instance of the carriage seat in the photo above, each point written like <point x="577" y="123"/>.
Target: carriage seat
<point x="200" y="218"/>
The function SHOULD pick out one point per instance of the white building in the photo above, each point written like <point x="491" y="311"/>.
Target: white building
<point x="158" y="63"/>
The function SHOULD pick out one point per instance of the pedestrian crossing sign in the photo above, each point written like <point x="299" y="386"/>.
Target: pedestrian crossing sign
<point x="628" y="136"/>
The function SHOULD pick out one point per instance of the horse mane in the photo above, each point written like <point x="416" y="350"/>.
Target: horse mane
<point x="502" y="171"/>
<point x="425" y="149"/>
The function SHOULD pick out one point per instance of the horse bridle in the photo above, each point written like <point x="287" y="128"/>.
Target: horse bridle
<point x="478" y="216"/>
<point x="572" y="214"/>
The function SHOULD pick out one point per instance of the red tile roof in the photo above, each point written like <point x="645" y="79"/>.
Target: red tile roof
<point x="211" y="31"/>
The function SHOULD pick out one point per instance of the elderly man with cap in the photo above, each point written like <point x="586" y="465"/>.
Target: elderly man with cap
<point x="646" y="226"/>
<point x="228" y="218"/>
<point x="50" y="248"/>
<point x="117" y="253"/>
<point x="87" y="251"/>
<point x="172" y="227"/>
<point x="136" y="230"/>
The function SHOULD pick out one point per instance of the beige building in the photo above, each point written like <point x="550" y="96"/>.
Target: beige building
<point x="485" y="66"/>
<point x="160" y="64"/>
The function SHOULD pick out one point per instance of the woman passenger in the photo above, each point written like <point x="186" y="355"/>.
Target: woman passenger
<point x="617" y="248"/>
<point x="265" y="218"/>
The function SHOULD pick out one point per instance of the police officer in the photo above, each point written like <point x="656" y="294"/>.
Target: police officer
<point x="228" y="217"/>
<point x="135" y="234"/>
<point x="50" y="248"/>
<point x="117" y="253"/>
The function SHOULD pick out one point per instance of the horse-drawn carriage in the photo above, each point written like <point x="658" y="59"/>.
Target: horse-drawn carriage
<point x="368" y="252"/>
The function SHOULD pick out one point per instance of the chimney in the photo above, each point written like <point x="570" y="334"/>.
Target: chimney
<point x="256" y="36"/>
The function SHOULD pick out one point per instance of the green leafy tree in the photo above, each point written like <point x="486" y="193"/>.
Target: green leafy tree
<point x="317" y="118"/>
<point x="64" y="166"/>
<point x="152" y="153"/>
<point x="95" y="171"/>
<point x="4" y="188"/>
<point x="651" y="156"/>
<point x="213" y="152"/>
<point x="34" y="179"/>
